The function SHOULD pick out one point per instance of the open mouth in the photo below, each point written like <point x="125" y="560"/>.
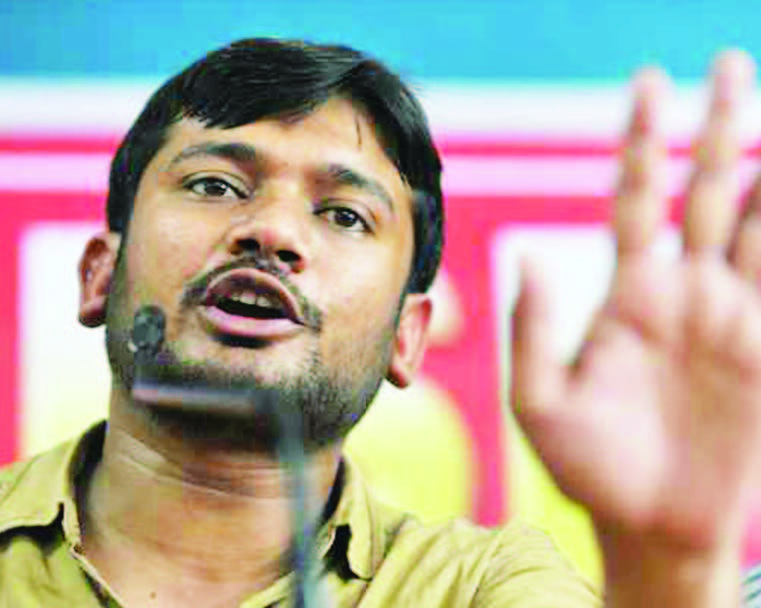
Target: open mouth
<point x="252" y="306"/>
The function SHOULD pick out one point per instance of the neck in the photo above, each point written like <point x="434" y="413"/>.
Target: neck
<point x="191" y="510"/>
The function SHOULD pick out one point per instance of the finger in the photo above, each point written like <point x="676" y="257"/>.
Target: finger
<point x="744" y="336"/>
<point x="640" y="201"/>
<point x="745" y="254"/>
<point x="537" y="374"/>
<point x="711" y="198"/>
<point x="648" y="298"/>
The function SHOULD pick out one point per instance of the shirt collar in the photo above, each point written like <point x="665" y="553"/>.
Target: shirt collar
<point x="370" y="523"/>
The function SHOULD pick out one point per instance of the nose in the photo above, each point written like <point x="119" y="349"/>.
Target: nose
<point x="274" y="231"/>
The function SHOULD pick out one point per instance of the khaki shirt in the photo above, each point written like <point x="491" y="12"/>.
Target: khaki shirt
<point x="374" y="556"/>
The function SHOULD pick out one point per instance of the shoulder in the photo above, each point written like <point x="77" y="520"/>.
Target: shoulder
<point x="16" y="474"/>
<point x="527" y="569"/>
<point x="515" y="565"/>
<point x="515" y="545"/>
<point x="32" y="491"/>
<point x="36" y="565"/>
<point x="10" y="473"/>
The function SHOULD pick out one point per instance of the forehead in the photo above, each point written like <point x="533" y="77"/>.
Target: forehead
<point x="336" y="133"/>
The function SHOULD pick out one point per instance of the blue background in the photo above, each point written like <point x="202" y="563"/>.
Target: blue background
<point x="424" y="39"/>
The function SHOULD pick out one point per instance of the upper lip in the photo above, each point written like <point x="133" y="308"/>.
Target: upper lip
<point x="250" y="280"/>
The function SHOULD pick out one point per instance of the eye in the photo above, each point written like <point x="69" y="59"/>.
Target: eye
<point x="213" y="187"/>
<point x="345" y="219"/>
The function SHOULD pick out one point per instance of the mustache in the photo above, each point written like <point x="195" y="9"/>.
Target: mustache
<point x="195" y="290"/>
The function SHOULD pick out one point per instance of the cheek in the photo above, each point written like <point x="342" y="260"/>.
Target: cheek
<point x="362" y="288"/>
<point x="358" y="330"/>
<point x="362" y="311"/>
<point x="166" y="252"/>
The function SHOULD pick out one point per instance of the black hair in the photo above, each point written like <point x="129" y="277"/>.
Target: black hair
<point x="261" y="78"/>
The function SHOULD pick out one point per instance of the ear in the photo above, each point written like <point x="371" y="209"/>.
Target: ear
<point x="95" y="271"/>
<point x="411" y="339"/>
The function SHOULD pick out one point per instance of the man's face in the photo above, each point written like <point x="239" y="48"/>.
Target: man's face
<point x="278" y="252"/>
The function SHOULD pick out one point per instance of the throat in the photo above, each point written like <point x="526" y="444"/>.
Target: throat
<point x="166" y="535"/>
<point x="152" y="505"/>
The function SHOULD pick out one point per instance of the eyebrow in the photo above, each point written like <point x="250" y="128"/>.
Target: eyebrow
<point x="343" y="175"/>
<point x="234" y="151"/>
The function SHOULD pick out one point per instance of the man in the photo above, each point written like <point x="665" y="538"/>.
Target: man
<point x="275" y="212"/>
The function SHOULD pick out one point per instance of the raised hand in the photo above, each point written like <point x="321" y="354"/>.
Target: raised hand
<point x="656" y="427"/>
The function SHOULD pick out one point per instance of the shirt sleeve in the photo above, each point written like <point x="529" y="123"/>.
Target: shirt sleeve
<point x="752" y="588"/>
<point x="528" y="571"/>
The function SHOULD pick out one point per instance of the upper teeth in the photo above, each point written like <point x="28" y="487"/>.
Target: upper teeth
<point x="254" y="299"/>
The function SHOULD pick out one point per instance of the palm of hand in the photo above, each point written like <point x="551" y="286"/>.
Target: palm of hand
<point x="647" y="397"/>
<point x="656" y="426"/>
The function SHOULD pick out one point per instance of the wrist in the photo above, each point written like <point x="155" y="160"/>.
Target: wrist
<point x="650" y="570"/>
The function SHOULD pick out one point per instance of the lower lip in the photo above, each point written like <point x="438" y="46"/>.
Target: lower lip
<point x="225" y="324"/>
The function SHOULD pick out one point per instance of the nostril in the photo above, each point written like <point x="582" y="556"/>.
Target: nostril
<point x="248" y="245"/>
<point x="287" y="256"/>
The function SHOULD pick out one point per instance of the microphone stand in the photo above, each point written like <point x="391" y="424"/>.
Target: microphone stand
<point x="147" y="340"/>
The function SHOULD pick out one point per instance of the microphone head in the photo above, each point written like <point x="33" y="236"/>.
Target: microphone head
<point x="148" y="331"/>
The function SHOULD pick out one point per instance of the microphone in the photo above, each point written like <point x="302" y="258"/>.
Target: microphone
<point x="151" y="384"/>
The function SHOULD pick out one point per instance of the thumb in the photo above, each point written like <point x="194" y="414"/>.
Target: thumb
<point x="538" y="376"/>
